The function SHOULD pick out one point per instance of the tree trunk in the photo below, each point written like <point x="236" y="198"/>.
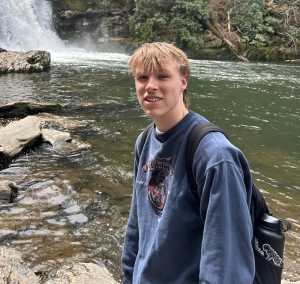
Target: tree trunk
<point x="228" y="21"/>
<point x="218" y="31"/>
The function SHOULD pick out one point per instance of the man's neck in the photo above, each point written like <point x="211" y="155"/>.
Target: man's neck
<point x="166" y="123"/>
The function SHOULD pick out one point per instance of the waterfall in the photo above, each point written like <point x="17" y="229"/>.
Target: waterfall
<point x="26" y="25"/>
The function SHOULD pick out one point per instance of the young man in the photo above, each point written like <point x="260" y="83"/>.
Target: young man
<point x="172" y="236"/>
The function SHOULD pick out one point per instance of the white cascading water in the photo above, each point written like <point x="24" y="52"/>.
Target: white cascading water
<point x="26" y="25"/>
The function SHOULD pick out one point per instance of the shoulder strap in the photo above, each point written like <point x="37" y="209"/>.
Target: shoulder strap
<point x="195" y="136"/>
<point x="258" y="203"/>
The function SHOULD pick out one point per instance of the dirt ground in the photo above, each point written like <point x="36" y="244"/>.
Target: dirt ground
<point x="291" y="272"/>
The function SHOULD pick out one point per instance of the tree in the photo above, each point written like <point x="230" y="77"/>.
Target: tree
<point x="176" y="21"/>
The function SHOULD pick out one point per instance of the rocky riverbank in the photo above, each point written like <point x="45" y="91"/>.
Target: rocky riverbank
<point x="29" y="61"/>
<point x="16" y="137"/>
<point x="13" y="269"/>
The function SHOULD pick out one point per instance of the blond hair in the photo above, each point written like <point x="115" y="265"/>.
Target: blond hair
<point x="152" y="57"/>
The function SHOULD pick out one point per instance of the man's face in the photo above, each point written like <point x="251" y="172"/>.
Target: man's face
<point x="160" y="94"/>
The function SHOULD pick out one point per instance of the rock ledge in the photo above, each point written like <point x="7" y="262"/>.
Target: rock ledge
<point x="29" y="61"/>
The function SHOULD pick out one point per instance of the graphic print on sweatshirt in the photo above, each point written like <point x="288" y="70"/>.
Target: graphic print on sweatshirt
<point x="160" y="169"/>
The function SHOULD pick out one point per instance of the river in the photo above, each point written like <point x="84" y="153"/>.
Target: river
<point x="75" y="205"/>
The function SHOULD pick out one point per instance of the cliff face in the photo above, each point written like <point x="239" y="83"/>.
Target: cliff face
<point x="82" y="20"/>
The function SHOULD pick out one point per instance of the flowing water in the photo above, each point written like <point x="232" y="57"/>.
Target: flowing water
<point x="74" y="204"/>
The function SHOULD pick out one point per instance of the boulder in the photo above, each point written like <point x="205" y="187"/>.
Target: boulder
<point x="29" y="61"/>
<point x="80" y="273"/>
<point x="62" y="142"/>
<point x="8" y="190"/>
<point x="50" y="120"/>
<point x="55" y="137"/>
<point x="22" y="109"/>
<point x="13" y="269"/>
<point x="18" y="136"/>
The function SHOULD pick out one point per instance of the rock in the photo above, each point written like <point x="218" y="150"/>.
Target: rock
<point x="13" y="269"/>
<point x="24" y="134"/>
<point x="62" y="141"/>
<point x="54" y="137"/>
<point x="8" y="190"/>
<point x="29" y="61"/>
<point x="2" y="50"/>
<point x="56" y="121"/>
<point x="22" y="109"/>
<point x="80" y="273"/>
<point x="91" y="24"/>
<point x="18" y="136"/>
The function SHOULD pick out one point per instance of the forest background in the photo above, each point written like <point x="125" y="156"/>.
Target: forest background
<point x="265" y="30"/>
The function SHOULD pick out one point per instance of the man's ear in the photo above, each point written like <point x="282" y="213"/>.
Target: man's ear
<point x="184" y="82"/>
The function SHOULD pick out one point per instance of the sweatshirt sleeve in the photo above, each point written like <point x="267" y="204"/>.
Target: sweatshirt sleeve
<point x="131" y="241"/>
<point x="130" y="249"/>
<point x="226" y="252"/>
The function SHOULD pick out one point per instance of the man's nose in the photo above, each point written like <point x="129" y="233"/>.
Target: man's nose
<point x="151" y="84"/>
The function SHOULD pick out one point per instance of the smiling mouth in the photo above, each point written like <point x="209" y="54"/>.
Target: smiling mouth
<point x="152" y="99"/>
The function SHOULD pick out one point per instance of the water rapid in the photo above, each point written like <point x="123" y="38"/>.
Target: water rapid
<point x="26" y="25"/>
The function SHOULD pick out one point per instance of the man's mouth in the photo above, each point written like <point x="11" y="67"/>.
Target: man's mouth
<point x="152" y="99"/>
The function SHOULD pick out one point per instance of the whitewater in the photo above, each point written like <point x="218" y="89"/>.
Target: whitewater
<point x="27" y="25"/>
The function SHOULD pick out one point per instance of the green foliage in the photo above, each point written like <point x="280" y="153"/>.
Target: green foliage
<point x="248" y="19"/>
<point x="108" y="4"/>
<point x="176" y="21"/>
<point x="83" y="5"/>
<point x="76" y="5"/>
<point x="257" y="23"/>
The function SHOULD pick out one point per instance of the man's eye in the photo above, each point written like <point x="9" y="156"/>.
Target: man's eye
<point x="142" y="78"/>
<point x="163" y="77"/>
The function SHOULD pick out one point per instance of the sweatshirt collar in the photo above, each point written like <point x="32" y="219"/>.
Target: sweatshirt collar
<point x="182" y="124"/>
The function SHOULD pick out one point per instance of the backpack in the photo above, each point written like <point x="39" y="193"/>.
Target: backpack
<point x="268" y="231"/>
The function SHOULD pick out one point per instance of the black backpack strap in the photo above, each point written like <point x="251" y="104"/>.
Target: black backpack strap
<point x="195" y="136"/>
<point x="258" y="205"/>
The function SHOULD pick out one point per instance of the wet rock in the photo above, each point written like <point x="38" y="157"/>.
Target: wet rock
<point x="62" y="141"/>
<point x="91" y="24"/>
<point x="18" y="136"/>
<point x="13" y="269"/>
<point x="55" y="137"/>
<point x="24" y="134"/>
<point x="29" y="61"/>
<point x="55" y="121"/>
<point x="22" y="109"/>
<point x="8" y="190"/>
<point x="80" y="273"/>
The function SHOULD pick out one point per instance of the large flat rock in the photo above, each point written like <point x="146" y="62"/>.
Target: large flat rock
<point x="13" y="269"/>
<point x="81" y="273"/>
<point x="18" y="136"/>
<point x="22" y="109"/>
<point x="28" y="61"/>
